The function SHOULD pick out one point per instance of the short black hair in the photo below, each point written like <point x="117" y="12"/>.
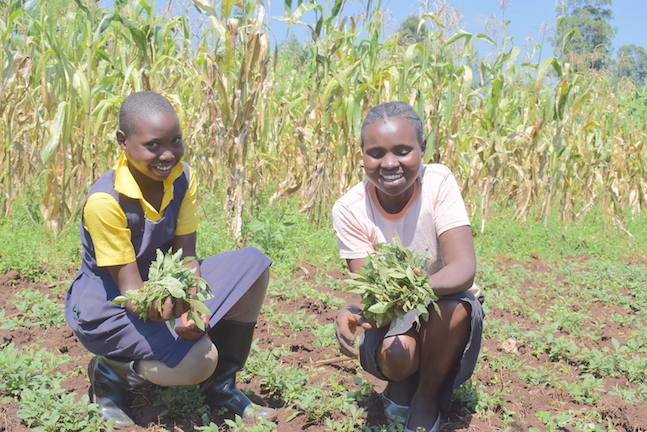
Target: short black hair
<point x="141" y="103"/>
<point x="389" y="110"/>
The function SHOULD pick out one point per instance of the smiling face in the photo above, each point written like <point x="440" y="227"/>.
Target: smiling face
<point x="392" y="160"/>
<point x="154" y="146"/>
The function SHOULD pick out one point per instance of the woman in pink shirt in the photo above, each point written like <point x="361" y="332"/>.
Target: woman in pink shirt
<point x="423" y="205"/>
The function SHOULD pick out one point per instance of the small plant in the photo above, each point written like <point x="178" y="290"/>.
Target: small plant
<point x="31" y="370"/>
<point x="587" y="390"/>
<point x="186" y="402"/>
<point x="353" y="421"/>
<point x="238" y="424"/>
<point x="554" y="421"/>
<point x="52" y="410"/>
<point x="391" y="283"/>
<point x="168" y="276"/>
<point x="38" y="310"/>
<point x="272" y="231"/>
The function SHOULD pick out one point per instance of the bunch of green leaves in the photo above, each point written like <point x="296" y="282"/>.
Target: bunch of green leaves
<point x="391" y="283"/>
<point x="169" y="276"/>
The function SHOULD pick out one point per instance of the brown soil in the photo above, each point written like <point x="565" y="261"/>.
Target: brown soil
<point x="519" y="397"/>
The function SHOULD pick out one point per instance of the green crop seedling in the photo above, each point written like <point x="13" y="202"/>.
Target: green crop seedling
<point x="168" y="276"/>
<point x="390" y="286"/>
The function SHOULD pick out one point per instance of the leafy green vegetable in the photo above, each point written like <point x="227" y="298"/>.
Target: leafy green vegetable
<point x="390" y="287"/>
<point x="168" y="276"/>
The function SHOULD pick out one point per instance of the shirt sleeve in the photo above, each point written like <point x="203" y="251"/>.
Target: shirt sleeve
<point x="106" y="222"/>
<point x="450" y="209"/>
<point x="187" y="219"/>
<point x="354" y="240"/>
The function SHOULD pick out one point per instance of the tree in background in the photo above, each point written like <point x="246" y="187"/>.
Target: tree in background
<point x="584" y="33"/>
<point x="290" y="51"/>
<point x="409" y="32"/>
<point x="632" y="63"/>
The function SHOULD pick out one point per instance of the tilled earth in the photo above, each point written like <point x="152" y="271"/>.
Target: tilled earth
<point x="520" y="398"/>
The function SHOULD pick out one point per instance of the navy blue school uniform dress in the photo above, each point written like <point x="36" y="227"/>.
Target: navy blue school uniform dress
<point x="107" y="329"/>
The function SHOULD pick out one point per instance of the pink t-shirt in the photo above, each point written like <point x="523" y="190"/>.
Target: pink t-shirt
<point x="435" y="207"/>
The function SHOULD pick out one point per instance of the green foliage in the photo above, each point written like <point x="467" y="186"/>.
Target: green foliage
<point x="28" y="248"/>
<point x="412" y="30"/>
<point x="585" y="28"/>
<point x="301" y="389"/>
<point x="239" y="425"/>
<point x="514" y="128"/>
<point x="32" y="370"/>
<point x="30" y="377"/>
<point x="549" y="310"/>
<point x="632" y="63"/>
<point x="212" y="235"/>
<point x="186" y="402"/>
<point x="291" y="51"/>
<point x="272" y="233"/>
<point x="37" y="310"/>
<point x="393" y="282"/>
<point x="287" y="236"/>
<point x="541" y="283"/>
<point x="56" y="411"/>
<point x="555" y="239"/>
<point x="354" y="421"/>
<point x="169" y="277"/>
<point x="588" y="390"/>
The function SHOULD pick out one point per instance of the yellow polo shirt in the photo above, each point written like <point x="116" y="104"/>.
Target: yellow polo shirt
<point x="106" y="221"/>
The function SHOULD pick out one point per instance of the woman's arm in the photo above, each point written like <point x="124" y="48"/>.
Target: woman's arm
<point x="457" y="248"/>
<point x="349" y="318"/>
<point x="355" y="265"/>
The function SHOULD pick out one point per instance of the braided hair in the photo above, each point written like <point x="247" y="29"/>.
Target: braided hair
<point x="141" y="104"/>
<point x="393" y="110"/>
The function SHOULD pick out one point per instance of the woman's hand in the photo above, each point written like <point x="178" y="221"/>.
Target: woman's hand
<point x="127" y="278"/>
<point x="188" y="329"/>
<point x="348" y="320"/>
<point x="172" y="308"/>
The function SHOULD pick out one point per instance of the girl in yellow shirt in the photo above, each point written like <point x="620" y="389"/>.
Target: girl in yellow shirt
<point x="148" y="202"/>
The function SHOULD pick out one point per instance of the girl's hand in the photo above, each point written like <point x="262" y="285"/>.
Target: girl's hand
<point x="348" y="320"/>
<point x="172" y="308"/>
<point x="127" y="278"/>
<point x="188" y="329"/>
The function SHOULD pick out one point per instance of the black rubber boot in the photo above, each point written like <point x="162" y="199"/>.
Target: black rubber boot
<point x="233" y="340"/>
<point x="111" y="382"/>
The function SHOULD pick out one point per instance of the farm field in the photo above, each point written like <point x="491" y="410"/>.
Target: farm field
<point x="564" y="349"/>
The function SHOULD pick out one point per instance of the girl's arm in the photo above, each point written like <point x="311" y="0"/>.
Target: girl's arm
<point x="457" y="248"/>
<point x="188" y="329"/>
<point x="187" y="243"/>
<point x="128" y="278"/>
